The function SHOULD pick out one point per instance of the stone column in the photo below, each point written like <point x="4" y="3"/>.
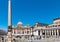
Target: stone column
<point x="41" y="34"/>
<point x="52" y="32"/>
<point x="13" y="31"/>
<point x="1" y="39"/>
<point x="4" y="38"/>
<point x="16" y="31"/>
<point x="57" y="33"/>
<point x="24" y="32"/>
<point x="45" y="34"/>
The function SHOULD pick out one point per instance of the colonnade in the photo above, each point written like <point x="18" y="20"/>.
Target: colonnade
<point x="49" y="32"/>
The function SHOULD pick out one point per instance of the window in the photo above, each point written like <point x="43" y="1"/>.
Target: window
<point x="55" y="25"/>
<point x="27" y="32"/>
<point x="58" y="25"/>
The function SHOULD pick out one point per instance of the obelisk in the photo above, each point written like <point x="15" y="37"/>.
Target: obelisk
<point x="9" y="22"/>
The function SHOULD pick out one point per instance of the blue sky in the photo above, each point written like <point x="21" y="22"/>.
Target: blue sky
<point x="29" y="11"/>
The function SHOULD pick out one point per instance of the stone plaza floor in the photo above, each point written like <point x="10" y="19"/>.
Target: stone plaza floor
<point x="46" y="40"/>
<point x="51" y="39"/>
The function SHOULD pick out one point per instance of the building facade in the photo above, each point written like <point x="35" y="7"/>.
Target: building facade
<point x="47" y="30"/>
<point x="20" y="30"/>
<point x="39" y="30"/>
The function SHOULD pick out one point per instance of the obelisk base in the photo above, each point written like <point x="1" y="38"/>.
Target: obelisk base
<point x="9" y="33"/>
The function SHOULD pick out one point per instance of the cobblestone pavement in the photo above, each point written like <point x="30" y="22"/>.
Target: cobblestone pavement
<point x="46" y="40"/>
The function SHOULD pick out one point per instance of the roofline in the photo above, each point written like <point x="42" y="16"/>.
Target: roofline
<point x="57" y="18"/>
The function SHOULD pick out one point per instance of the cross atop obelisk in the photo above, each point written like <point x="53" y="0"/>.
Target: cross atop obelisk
<point x="9" y="22"/>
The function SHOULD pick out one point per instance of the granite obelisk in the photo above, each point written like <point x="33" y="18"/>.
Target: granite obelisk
<point x="9" y="22"/>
